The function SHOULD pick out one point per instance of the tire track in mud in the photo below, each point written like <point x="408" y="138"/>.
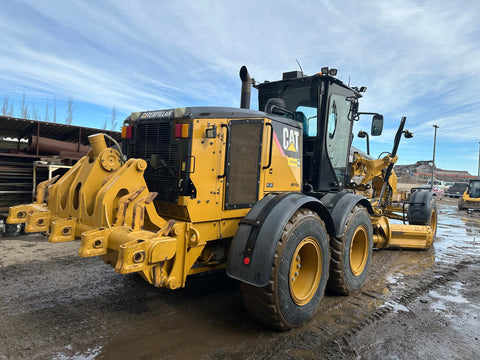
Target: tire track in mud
<point x="432" y="279"/>
<point x="332" y="333"/>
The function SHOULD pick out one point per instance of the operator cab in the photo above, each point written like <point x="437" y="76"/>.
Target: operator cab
<point x="473" y="189"/>
<point x="326" y="107"/>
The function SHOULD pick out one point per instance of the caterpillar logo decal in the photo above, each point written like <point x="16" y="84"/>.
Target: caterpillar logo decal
<point x="290" y="139"/>
<point x="288" y="144"/>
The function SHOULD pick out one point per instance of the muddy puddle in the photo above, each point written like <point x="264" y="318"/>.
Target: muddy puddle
<point x="65" y="307"/>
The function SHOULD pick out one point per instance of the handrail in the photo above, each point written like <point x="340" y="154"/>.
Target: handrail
<point x="270" y="151"/>
<point x="227" y="138"/>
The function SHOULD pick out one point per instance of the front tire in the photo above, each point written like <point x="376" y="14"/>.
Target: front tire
<point x="422" y="210"/>
<point x="351" y="254"/>
<point x="298" y="277"/>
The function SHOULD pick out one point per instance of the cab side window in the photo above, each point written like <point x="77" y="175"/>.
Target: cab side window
<point x="332" y="119"/>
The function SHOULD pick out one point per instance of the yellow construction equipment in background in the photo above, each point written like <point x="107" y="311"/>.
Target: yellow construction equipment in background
<point x="471" y="197"/>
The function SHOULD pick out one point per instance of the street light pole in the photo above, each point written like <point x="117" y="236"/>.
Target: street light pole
<point x="478" y="174"/>
<point x="433" y="161"/>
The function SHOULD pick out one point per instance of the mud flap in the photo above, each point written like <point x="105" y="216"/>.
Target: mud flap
<point x="251" y="255"/>
<point x="341" y="204"/>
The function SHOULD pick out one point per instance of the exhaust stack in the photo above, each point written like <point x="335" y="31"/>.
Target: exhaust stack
<point x="247" y="82"/>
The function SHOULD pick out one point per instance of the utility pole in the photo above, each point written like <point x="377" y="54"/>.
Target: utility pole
<point x="433" y="161"/>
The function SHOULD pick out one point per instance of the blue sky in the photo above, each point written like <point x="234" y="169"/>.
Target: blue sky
<point x="419" y="59"/>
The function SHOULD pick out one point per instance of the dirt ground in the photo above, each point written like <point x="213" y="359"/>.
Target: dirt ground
<point x="415" y="305"/>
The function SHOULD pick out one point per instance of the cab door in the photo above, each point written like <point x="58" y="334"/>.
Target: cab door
<point x="338" y="133"/>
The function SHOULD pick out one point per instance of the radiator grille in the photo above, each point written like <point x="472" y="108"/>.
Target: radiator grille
<point x="155" y="143"/>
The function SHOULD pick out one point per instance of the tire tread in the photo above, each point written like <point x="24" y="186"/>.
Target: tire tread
<point x="337" y="283"/>
<point x="261" y="301"/>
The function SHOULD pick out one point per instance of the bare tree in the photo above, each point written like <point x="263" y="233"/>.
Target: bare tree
<point x="5" y="105"/>
<point x="25" y="114"/>
<point x="113" y="121"/>
<point x="24" y="111"/>
<point x="11" y="110"/>
<point x="46" y="112"/>
<point x="55" y="110"/>
<point x="70" y="107"/>
<point x="34" y="112"/>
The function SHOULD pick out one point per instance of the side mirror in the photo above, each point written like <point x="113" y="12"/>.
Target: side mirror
<point x="377" y="125"/>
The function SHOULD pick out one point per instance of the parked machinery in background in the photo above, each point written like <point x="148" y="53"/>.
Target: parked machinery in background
<point x="471" y="197"/>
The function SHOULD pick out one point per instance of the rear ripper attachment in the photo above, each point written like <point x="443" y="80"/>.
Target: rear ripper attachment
<point x="105" y="202"/>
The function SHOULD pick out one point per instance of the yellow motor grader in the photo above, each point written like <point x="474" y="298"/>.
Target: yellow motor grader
<point x="266" y="195"/>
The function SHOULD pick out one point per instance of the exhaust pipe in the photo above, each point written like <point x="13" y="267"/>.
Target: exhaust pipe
<point x="247" y="82"/>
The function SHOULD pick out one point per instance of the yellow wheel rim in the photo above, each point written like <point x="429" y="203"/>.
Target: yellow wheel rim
<point x="433" y="221"/>
<point x="305" y="271"/>
<point x="359" y="250"/>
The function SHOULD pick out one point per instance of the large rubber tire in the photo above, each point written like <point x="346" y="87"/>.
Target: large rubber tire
<point x="351" y="254"/>
<point x="461" y="204"/>
<point x="422" y="210"/>
<point x="298" y="277"/>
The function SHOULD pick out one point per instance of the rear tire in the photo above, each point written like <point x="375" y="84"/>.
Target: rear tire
<point x="351" y="254"/>
<point x="298" y="277"/>
<point x="461" y="204"/>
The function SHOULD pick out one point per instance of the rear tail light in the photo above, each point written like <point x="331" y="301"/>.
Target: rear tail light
<point x="182" y="130"/>
<point x="126" y="132"/>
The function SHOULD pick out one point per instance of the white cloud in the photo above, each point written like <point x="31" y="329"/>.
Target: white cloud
<point x="417" y="58"/>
